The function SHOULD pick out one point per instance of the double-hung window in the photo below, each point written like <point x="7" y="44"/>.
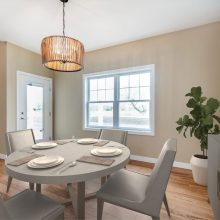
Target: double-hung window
<point x="120" y="99"/>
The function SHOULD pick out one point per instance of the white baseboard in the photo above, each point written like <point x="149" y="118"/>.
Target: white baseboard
<point x="2" y="156"/>
<point x="154" y="160"/>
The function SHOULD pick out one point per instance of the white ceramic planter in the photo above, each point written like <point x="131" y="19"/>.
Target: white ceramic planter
<point x="199" y="170"/>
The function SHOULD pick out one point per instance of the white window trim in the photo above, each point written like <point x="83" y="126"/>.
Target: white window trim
<point x="151" y="68"/>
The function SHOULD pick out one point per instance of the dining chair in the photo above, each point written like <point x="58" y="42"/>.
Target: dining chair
<point x="138" y="192"/>
<point x="119" y="136"/>
<point x="16" y="140"/>
<point x="113" y="135"/>
<point x="28" y="205"/>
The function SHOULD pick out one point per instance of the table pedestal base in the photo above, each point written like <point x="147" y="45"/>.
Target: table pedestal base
<point x="78" y="198"/>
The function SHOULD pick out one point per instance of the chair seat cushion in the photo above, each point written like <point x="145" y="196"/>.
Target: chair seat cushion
<point x="124" y="187"/>
<point x="31" y="205"/>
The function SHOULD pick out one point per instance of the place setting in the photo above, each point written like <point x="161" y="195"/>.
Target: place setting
<point x="44" y="145"/>
<point x="45" y="162"/>
<point x="106" y="151"/>
<point x="87" y="141"/>
<point x="101" y="153"/>
<point x="100" y="156"/>
<point x="37" y="161"/>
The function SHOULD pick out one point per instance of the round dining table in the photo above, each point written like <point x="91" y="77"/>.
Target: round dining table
<point x="66" y="174"/>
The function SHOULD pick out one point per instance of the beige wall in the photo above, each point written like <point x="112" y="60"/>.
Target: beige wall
<point x="3" y="93"/>
<point x="15" y="58"/>
<point x="182" y="59"/>
<point x="24" y="60"/>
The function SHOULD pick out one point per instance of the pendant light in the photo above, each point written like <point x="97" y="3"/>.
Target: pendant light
<point x="62" y="53"/>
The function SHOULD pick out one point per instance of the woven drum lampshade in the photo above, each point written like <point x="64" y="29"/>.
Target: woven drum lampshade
<point x="61" y="53"/>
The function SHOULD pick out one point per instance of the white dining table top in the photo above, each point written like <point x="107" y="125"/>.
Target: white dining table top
<point x="71" y="152"/>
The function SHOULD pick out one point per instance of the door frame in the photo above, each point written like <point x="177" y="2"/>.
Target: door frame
<point x="50" y="80"/>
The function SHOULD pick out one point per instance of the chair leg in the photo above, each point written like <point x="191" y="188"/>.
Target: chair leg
<point x="100" y="204"/>
<point x="38" y="187"/>
<point x="166" y="204"/>
<point x="103" y="180"/>
<point x="155" y="218"/>
<point x="9" y="183"/>
<point x="31" y="186"/>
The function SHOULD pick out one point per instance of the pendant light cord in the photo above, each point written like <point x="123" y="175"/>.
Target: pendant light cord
<point x="63" y="18"/>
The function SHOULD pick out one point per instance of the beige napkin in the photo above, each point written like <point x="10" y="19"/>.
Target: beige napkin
<point x="96" y="160"/>
<point x="23" y="160"/>
<point x="101" y="143"/>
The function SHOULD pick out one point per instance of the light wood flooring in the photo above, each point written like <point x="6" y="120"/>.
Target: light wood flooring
<point x="186" y="199"/>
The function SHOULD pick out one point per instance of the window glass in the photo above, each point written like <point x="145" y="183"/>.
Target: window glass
<point x="101" y="95"/>
<point x="100" y="114"/>
<point x="124" y="81"/>
<point x="109" y="83"/>
<point x="124" y="94"/>
<point x="134" y="115"/>
<point x="101" y="83"/>
<point x="109" y="94"/>
<point x="35" y="110"/>
<point x="134" y="80"/>
<point x="144" y="93"/>
<point x="134" y="93"/>
<point x="121" y="100"/>
<point x="93" y="84"/>
<point x="93" y="95"/>
<point x="145" y="79"/>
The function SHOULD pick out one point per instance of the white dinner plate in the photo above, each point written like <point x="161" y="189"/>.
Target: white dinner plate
<point x="96" y="152"/>
<point x="106" y="150"/>
<point x="32" y="164"/>
<point x="44" y="145"/>
<point x="46" y="160"/>
<point x="87" y="141"/>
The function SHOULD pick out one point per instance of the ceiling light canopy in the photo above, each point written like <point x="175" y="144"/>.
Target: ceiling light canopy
<point x="62" y="53"/>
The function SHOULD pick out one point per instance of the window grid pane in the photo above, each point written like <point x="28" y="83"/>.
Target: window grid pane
<point x="100" y="114"/>
<point x="134" y="115"/>
<point x="131" y="87"/>
<point x="101" y="89"/>
<point x="133" y="101"/>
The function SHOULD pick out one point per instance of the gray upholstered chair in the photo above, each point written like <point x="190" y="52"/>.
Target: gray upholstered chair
<point x="119" y="136"/>
<point x="138" y="192"/>
<point x="17" y="140"/>
<point x="28" y="205"/>
<point x="113" y="135"/>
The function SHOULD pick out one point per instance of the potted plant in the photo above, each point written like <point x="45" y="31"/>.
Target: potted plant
<point x="199" y="123"/>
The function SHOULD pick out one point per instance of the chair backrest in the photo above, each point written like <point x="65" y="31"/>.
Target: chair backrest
<point x="159" y="177"/>
<point x="19" y="139"/>
<point x="113" y="135"/>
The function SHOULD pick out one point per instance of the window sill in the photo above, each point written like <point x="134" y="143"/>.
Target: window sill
<point x="132" y="132"/>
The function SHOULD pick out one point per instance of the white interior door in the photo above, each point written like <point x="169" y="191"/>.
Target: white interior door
<point x="34" y="104"/>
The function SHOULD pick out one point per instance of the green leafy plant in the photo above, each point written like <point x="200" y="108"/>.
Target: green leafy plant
<point x="202" y="119"/>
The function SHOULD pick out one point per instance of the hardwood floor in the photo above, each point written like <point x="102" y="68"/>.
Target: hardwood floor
<point x="186" y="199"/>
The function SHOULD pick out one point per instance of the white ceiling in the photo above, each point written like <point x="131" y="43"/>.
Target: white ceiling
<point x="100" y="23"/>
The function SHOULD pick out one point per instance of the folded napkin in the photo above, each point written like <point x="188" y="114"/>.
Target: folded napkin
<point x="96" y="160"/>
<point x="101" y="143"/>
<point x="23" y="160"/>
